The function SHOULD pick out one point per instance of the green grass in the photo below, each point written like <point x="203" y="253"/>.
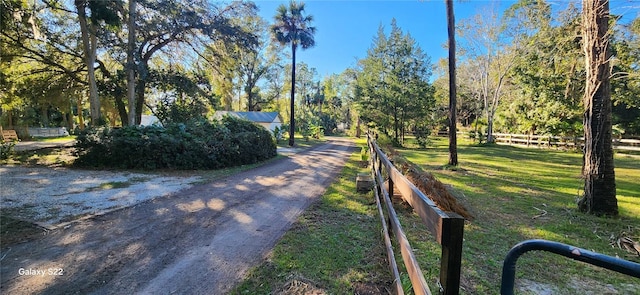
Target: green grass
<point x="508" y="189"/>
<point x="334" y="246"/>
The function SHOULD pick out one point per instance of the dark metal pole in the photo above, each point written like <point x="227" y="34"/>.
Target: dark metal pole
<point x="608" y="262"/>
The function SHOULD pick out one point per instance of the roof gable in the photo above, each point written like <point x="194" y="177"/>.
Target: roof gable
<point x="258" y="117"/>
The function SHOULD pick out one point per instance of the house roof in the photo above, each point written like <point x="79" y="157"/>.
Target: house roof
<point x="258" y="117"/>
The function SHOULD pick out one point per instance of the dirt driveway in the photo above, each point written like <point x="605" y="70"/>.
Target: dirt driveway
<point x="201" y="240"/>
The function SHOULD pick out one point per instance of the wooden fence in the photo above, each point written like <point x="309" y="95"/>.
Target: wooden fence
<point x="446" y="227"/>
<point x="550" y="141"/>
<point x="28" y="132"/>
<point x="47" y="132"/>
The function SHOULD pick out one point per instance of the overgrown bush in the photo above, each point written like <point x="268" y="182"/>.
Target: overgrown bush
<point x="195" y="145"/>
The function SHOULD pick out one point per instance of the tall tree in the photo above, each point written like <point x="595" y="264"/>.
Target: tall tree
<point x="547" y="74"/>
<point x="292" y="27"/>
<point x="306" y="80"/>
<point x="392" y="85"/>
<point x="172" y="26"/>
<point x="625" y="81"/>
<point x="598" y="168"/>
<point x="245" y="66"/>
<point x="451" y="29"/>
<point x="100" y="11"/>
<point x="487" y="45"/>
<point x="37" y="44"/>
<point x="275" y="84"/>
<point x="131" y="65"/>
<point x="254" y="62"/>
<point x="223" y="62"/>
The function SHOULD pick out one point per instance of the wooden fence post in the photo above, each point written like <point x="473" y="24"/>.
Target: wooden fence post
<point x="451" y="260"/>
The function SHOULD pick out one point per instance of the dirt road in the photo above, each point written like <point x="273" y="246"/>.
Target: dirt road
<point x="198" y="241"/>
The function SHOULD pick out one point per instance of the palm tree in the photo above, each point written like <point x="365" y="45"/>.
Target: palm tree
<point x="598" y="168"/>
<point x="292" y="27"/>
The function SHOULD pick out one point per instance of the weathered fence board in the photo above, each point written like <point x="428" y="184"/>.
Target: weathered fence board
<point x="446" y="227"/>
<point x="558" y="141"/>
<point x="47" y="132"/>
<point x="397" y="283"/>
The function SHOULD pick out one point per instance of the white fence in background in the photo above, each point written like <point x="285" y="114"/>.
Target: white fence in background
<point x="47" y="132"/>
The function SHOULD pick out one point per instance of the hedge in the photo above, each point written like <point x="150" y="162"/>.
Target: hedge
<point x="194" y="145"/>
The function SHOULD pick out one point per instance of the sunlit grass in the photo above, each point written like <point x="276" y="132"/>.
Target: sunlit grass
<point x="518" y="194"/>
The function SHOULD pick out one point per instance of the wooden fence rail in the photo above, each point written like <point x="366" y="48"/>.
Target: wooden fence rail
<point x="547" y="141"/>
<point x="446" y="227"/>
<point x="560" y="141"/>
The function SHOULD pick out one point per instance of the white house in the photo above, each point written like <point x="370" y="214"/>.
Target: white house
<point x="268" y="120"/>
<point x="148" y="120"/>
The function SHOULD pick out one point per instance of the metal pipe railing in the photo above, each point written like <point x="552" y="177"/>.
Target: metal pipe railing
<point x="608" y="262"/>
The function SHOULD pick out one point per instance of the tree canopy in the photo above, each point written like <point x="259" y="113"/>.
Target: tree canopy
<point x="393" y="90"/>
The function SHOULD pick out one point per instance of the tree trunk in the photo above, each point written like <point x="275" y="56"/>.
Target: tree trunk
<point x="395" y="123"/>
<point x="89" y="42"/>
<point x="44" y="114"/>
<point x="131" y="66"/>
<point x="122" y="110"/>
<point x="94" y="99"/>
<point x="249" y="100"/>
<point x="598" y="169"/>
<point x="453" y="140"/>
<point x="292" y="122"/>
<point x="65" y="123"/>
<point x="69" y="121"/>
<point x="10" y="118"/>
<point x="80" y="114"/>
<point x="139" y="101"/>
<point x="490" y="128"/>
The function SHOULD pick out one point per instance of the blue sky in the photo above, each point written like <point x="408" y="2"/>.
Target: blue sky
<point x="345" y="29"/>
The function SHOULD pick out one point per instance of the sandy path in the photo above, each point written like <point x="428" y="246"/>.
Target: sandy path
<point x="199" y="241"/>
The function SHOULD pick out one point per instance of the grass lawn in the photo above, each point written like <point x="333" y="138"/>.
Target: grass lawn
<point x="518" y="194"/>
<point x="336" y="246"/>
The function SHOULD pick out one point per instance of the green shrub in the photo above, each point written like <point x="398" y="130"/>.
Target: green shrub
<point x="6" y="149"/>
<point x="477" y="136"/>
<point x="364" y="155"/>
<point x="422" y="137"/>
<point x="278" y="133"/>
<point x="194" y="145"/>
